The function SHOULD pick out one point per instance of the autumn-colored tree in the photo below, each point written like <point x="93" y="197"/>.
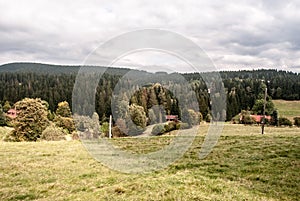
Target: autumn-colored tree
<point x="138" y="115"/>
<point x="53" y="133"/>
<point x="30" y="121"/>
<point x="196" y="117"/>
<point x="64" y="117"/>
<point x="138" y="120"/>
<point x="63" y="109"/>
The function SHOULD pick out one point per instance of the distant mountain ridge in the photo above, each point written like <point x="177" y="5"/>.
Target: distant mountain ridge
<point x="56" y="68"/>
<point x="38" y="68"/>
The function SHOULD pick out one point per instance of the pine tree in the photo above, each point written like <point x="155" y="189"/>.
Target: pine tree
<point x="2" y="117"/>
<point x="6" y="106"/>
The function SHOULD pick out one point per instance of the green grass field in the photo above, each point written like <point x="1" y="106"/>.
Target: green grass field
<point x="244" y="165"/>
<point x="289" y="109"/>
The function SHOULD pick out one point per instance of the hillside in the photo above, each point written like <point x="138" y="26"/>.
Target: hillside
<point x="55" y="83"/>
<point x="289" y="109"/>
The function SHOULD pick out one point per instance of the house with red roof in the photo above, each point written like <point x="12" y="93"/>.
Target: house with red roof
<point x="12" y="113"/>
<point x="171" y="117"/>
<point x="258" y="118"/>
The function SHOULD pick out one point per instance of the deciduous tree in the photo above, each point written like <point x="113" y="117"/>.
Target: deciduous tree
<point x="30" y="121"/>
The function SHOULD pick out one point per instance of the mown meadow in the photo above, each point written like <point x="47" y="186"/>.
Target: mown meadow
<point x="244" y="165"/>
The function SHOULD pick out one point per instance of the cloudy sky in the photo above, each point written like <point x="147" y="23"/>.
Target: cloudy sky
<point x="234" y="34"/>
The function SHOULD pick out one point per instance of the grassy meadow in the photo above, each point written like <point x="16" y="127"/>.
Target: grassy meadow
<point x="4" y="131"/>
<point x="244" y="165"/>
<point x="289" y="109"/>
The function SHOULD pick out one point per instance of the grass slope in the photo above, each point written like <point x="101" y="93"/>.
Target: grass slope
<point x="4" y="131"/>
<point x="243" y="166"/>
<point x="289" y="109"/>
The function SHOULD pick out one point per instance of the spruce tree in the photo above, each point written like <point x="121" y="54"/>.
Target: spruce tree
<point x="2" y="117"/>
<point x="6" y="106"/>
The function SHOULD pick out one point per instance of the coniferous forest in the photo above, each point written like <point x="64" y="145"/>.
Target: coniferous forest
<point x="55" y="84"/>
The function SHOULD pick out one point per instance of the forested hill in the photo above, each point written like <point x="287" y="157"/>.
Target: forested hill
<point x="281" y="84"/>
<point x="39" y="68"/>
<point x="54" y="83"/>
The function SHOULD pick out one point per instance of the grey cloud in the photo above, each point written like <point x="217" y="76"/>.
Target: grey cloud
<point x="231" y="32"/>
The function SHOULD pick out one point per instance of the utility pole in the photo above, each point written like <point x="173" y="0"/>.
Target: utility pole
<point x="264" y="113"/>
<point x="110" y="121"/>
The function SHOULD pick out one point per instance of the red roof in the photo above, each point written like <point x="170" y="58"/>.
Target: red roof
<point x="12" y="113"/>
<point x="171" y="117"/>
<point x="258" y="118"/>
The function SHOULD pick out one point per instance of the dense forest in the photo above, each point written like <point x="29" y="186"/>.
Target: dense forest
<point x="55" y="84"/>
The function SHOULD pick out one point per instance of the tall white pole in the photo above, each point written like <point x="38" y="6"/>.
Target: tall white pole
<point x="110" y="120"/>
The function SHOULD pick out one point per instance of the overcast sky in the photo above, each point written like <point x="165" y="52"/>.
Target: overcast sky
<point x="235" y="34"/>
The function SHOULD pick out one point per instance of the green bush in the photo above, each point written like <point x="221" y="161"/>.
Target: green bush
<point x="267" y="121"/>
<point x="158" y="129"/>
<point x="63" y="109"/>
<point x="274" y="118"/>
<point x="65" y="122"/>
<point x="53" y="133"/>
<point x="105" y="128"/>
<point x="297" y="121"/>
<point x="184" y="126"/>
<point x="138" y="116"/>
<point x="171" y="126"/>
<point x="196" y="117"/>
<point x="208" y="118"/>
<point x="117" y="132"/>
<point x="236" y="119"/>
<point x="283" y="121"/>
<point x="166" y="127"/>
<point x="134" y="130"/>
<point x="248" y="120"/>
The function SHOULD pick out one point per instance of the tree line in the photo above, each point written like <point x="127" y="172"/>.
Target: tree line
<point x="55" y="84"/>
